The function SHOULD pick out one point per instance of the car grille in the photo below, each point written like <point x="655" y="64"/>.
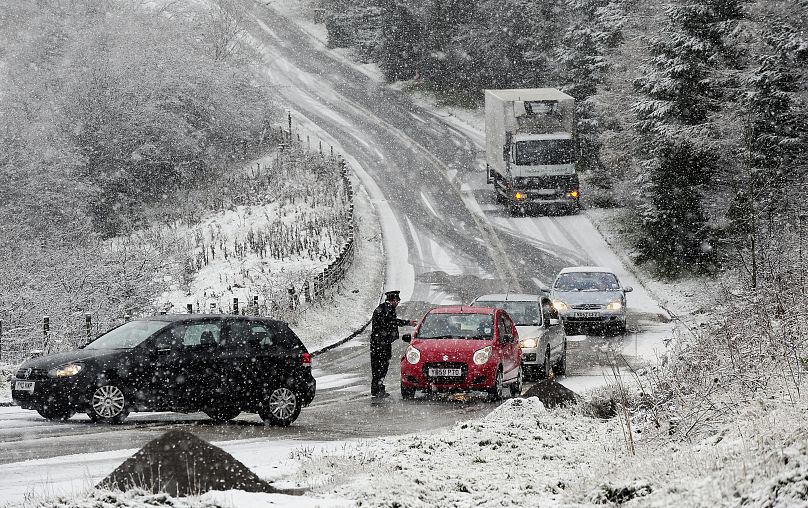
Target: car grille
<point x="33" y="374"/>
<point x="464" y="369"/>
<point x="587" y="306"/>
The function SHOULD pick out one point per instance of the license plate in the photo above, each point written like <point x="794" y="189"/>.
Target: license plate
<point x="24" y="386"/>
<point x="445" y="372"/>
<point x="587" y="314"/>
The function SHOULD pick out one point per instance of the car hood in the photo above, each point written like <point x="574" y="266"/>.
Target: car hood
<point x="529" y="331"/>
<point x="77" y="355"/>
<point x="576" y="297"/>
<point x="454" y="349"/>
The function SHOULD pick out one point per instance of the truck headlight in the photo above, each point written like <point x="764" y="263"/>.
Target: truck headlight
<point x="413" y="355"/>
<point x="481" y="356"/>
<point x="69" y="370"/>
<point x="529" y="343"/>
<point x="614" y="306"/>
<point x="559" y="305"/>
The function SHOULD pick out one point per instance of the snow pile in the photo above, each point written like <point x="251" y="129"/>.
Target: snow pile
<point x="551" y="393"/>
<point x="181" y="464"/>
<point x="518" y="455"/>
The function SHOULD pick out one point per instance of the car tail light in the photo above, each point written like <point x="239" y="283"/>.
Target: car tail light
<point x="306" y="360"/>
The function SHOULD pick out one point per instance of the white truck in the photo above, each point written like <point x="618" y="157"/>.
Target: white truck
<point x="530" y="148"/>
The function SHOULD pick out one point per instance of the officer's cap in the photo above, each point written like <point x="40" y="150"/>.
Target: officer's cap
<point x="392" y="295"/>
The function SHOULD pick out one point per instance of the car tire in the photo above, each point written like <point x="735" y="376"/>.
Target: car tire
<point x="495" y="392"/>
<point x="545" y="368"/>
<point x="55" y="413"/>
<point x="281" y="408"/>
<point x="516" y="386"/>
<point x="108" y="404"/>
<point x="407" y="393"/>
<point x="223" y="414"/>
<point x="561" y="364"/>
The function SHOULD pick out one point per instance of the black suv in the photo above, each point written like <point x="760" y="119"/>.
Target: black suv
<point x="218" y="364"/>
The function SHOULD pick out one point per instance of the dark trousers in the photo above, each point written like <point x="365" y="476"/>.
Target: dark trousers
<point x="379" y="363"/>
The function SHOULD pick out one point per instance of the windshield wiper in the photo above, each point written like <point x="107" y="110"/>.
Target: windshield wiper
<point x="438" y="337"/>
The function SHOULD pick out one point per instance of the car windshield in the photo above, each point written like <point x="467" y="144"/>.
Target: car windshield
<point x="545" y="151"/>
<point x="454" y="326"/>
<point x="522" y="313"/>
<point x="126" y="336"/>
<point x="587" y="281"/>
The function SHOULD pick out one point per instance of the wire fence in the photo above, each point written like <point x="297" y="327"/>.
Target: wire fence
<point x="19" y="341"/>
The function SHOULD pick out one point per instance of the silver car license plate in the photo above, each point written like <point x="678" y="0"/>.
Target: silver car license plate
<point x="445" y="372"/>
<point x="586" y="314"/>
<point x="24" y="386"/>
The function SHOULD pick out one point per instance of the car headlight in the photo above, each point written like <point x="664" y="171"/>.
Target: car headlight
<point x="529" y="343"/>
<point x="69" y="370"/>
<point x="413" y="355"/>
<point x="559" y="305"/>
<point x="614" y="306"/>
<point x="482" y="355"/>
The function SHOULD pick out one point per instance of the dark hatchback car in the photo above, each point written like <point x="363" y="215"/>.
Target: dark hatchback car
<point x="218" y="364"/>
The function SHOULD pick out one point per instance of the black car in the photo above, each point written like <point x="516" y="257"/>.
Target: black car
<point x="218" y="364"/>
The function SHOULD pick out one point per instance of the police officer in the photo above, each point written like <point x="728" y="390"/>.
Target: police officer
<point x="384" y="331"/>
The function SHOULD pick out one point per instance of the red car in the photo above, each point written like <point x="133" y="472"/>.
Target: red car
<point x="463" y="349"/>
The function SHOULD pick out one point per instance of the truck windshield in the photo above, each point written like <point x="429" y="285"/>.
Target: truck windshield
<point x="544" y="151"/>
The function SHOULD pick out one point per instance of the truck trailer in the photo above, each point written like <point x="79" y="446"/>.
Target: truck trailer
<point x="530" y="149"/>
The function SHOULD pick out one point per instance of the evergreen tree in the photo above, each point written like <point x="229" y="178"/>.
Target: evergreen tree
<point x="673" y="122"/>
<point x="773" y="110"/>
<point x="594" y="28"/>
<point x="398" y="51"/>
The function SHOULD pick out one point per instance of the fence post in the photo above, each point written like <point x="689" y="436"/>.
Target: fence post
<point x="235" y="304"/>
<point x="1" y="339"/>
<point x="190" y="308"/>
<point x="255" y="304"/>
<point x="127" y="316"/>
<point x="88" y="324"/>
<point x="290" y="126"/>
<point x="45" y="332"/>
<point x="213" y="307"/>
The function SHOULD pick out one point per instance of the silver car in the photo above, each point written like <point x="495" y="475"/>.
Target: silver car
<point x="590" y="300"/>
<point x="541" y="336"/>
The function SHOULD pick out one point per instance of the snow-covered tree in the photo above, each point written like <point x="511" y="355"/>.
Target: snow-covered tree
<point x="399" y="50"/>
<point x="681" y="92"/>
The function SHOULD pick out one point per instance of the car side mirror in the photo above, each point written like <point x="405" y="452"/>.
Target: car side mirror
<point x="628" y="289"/>
<point x="406" y="337"/>
<point x="555" y="322"/>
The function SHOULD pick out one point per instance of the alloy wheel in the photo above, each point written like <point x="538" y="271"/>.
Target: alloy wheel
<point x="282" y="403"/>
<point x="108" y="402"/>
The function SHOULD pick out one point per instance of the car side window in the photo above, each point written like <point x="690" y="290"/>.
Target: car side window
<point x="502" y="330"/>
<point x="202" y="334"/>
<point x="547" y="312"/>
<point x="171" y="338"/>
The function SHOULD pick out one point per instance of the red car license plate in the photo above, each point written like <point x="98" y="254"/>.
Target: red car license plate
<point x="445" y="372"/>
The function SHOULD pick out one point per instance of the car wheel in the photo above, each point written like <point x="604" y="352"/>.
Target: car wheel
<point x="222" y="414"/>
<point x="516" y="386"/>
<point x="561" y="364"/>
<point x="495" y="392"/>
<point x="407" y="393"/>
<point x="108" y="404"/>
<point x="544" y="368"/>
<point x="55" y="413"/>
<point x="281" y="408"/>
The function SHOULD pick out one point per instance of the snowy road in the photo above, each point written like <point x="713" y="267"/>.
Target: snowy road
<point x="446" y="241"/>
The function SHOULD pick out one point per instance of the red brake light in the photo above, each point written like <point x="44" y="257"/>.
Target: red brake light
<point x="306" y="360"/>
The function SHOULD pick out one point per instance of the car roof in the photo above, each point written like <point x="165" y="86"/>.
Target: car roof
<point x="173" y="318"/>
<point x="508" y="297"/>
<point x="461" y="309"/>
<point x="570" y="269"/>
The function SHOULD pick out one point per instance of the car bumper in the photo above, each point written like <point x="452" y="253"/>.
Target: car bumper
<point x="474" y="377"/>
<point x="70" y="393"/>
